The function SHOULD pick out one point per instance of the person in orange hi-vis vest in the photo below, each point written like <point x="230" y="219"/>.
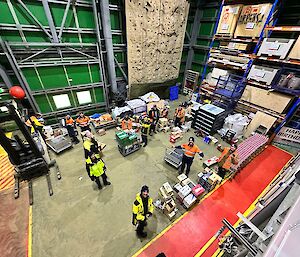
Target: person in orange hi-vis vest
<point x="190" y="150"/>
<point x="228" y="157"/>
<point x="71" y="128"/>
<point x="179" y="116"/>
<point x="83" y="122"/>
<point x="126" y="123"/>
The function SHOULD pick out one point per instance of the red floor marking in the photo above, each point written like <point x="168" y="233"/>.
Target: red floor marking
<point x="190" y="234"/>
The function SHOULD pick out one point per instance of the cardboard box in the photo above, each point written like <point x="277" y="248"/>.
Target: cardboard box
<point x="295" y="52"/>
<point x="214" y="179"/>
<point x="198" y="190"/>
<point x="162" y="193"/>
<point x="211" y="161"/>
<point x="169" y="206"/>
<point x="181" y="177"/>
<point x="228" y="19"/>
<point x="252" y="20"/>
<point x="168" y="189"/>
<point x="184" y="191"/>
<point x="171" y="214"/>
<point x="177" y="187"/>
<point x="189" y="200"/>
<point x="185" y="182"/>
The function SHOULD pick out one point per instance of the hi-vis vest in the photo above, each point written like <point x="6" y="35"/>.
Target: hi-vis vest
<point x="225" y="160"/>
<point x="87" y="145"/>
<point x="36" y="123"/>
<point x="97" y="169"/>
<point x="190" y="151"/>
<point x="145" y="129"/>
<point x="138" y="208"/>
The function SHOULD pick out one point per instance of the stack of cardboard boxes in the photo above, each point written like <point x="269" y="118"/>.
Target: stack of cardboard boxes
<point x="166" y="196"/>
<point x="175" y="134"/>
<point x="187" y="191"/>
<point x="209" y="180"/>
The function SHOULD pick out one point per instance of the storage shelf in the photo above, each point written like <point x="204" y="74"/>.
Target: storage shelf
<point x="293" y="62"/>
<point x="284" y="28"/>
<point x="227" y="66"/>
<point x="255" y="83"/>
<point x="258" y="108"/>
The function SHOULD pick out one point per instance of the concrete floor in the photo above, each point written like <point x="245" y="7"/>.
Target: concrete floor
<point x="79" y="220"/>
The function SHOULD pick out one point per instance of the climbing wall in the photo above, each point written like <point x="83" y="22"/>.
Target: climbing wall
<point x="155" y="35"/>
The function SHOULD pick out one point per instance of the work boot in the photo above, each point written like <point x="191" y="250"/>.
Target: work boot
<point x="99" y="187"/>
<point x="107" y="183"/>
<point x="142" y="234"/>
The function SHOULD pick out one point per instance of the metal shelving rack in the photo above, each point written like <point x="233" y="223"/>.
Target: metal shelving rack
<point x="269" y="27"/>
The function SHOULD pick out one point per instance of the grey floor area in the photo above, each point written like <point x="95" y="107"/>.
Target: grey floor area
<point x="79" y="220"/>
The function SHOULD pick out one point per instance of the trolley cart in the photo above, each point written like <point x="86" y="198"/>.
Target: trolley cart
<point x="173" y="156"/>
<point x="127" y="143"/>
<point x="59" y="144"/>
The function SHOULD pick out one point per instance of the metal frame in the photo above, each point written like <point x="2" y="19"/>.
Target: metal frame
<point x="30" y="54"/>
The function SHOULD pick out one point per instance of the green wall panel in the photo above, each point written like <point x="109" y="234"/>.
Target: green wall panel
<point x="184" y="55"/>
<point x="120" y="57"/>
<point x="53" y="77"/>
<point x="36" y="36"/>
<point x="36" y="9"/>
<point x="58" y="13"/>
<point x="79" y="74"/>
<point x="200" y="56"/>
<point x="116" y="2"/>
<point x="11" y="36"/>
<point x="203" y="42"/>
<point x="117" y="39"/>
<point x="210" y="12"/>
<point x="99" y="95"/>
<point x="88" y="38"/>
<point x="118" y="72"/>
<point x="43" y="103"/>
<point x="70" y="38"/>
<point x="197" y="67"/>
<point x="206" y="28"/>
<point x="32" y="78"/>
<point x="5" y="14"/>
<point x="95" y="71"/>
<point x="115" y="20"/>
<point x="85" y="18"/>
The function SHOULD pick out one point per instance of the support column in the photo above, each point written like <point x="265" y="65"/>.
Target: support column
<point x="6" y="79"/>
<point x="194" y="35"/>
<point x="50" y="21"/>
<point x="106" y="27"/>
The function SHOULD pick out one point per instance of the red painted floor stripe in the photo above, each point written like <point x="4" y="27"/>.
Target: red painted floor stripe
<point x="190" y="234"/>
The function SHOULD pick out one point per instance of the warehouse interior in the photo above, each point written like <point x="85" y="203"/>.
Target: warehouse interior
<point x="149" y="128"/>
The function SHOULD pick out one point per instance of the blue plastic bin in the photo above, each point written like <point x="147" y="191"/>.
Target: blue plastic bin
<point x="174" y="91"/>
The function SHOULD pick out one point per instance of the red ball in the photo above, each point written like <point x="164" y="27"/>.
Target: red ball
<point x="17" y="92"/>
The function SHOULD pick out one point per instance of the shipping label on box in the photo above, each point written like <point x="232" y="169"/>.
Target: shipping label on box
<point x="183" y="192"/>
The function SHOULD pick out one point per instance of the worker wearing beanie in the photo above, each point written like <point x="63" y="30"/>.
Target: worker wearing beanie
<point x="190" y="150"/>
<point x="142" y="209"/>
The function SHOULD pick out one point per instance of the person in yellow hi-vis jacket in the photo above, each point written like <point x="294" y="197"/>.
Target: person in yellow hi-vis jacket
<point x="142" y="209"/>
<point x="97" y="169"/>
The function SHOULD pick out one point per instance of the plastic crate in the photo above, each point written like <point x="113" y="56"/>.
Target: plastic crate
<point x="174" y="91"/>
